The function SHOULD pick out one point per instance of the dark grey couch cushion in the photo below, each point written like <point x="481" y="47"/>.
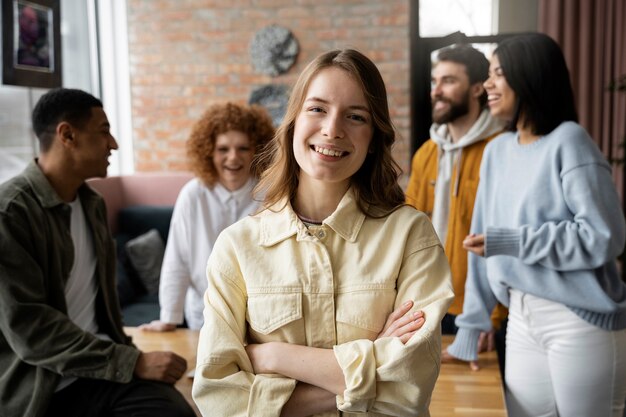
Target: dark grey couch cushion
<point x="145" y="253"/>
<point x="137" y="306"/>
<point x="143" y="309"/>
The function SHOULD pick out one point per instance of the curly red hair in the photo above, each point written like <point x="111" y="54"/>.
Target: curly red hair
<point x="252" y="120"/>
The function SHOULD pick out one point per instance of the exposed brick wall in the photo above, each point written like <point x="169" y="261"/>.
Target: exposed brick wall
<point x="187" y="54"/>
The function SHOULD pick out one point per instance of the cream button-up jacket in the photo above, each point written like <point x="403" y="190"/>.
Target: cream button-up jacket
<point x="331" y="286"/>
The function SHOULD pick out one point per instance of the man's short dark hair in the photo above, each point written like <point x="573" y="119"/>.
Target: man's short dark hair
<point x="59" y="105"/>
<point x="476" y="65"/>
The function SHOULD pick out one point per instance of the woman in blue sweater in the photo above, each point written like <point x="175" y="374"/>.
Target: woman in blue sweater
<point x="546" y="231"/>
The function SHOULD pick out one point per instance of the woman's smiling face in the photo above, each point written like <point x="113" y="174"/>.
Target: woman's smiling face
<point x="232" y="158"/>
<point x="500" y="96"/>
<point x="334" y="129"/>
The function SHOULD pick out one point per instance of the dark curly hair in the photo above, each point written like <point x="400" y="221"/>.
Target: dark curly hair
<point x="220" y="118"/>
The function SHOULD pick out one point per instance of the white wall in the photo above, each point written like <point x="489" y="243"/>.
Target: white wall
<point x="516" y="16"/>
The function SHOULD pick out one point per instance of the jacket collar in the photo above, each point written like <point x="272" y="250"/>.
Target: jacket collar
<point x="280" y="222"/>
<point x="44" y="192"/>
<point x="485" y="126"/>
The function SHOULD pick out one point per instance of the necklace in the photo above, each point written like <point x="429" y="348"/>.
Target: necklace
<point x="308" y="222"/>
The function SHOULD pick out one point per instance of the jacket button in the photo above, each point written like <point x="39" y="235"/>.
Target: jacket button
<point x="321" y="234"/>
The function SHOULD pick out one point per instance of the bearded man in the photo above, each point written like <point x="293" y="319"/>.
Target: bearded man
<point x="445" y="169"/>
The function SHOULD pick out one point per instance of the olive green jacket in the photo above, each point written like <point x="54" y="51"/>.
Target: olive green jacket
<point x="38" y="341"/>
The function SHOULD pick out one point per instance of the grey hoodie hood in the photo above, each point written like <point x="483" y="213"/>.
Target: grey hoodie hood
<point x="449" y="155"/>
<point x="484" y="127"/>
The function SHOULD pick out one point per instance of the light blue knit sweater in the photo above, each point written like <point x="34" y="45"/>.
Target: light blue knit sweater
<point x="553" y="227"/>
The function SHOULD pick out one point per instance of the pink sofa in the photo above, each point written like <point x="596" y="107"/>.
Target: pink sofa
<point x="142" y="189"/>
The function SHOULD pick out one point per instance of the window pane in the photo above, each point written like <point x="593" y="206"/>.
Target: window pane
<point x="17" y="143"/>
<point x="486" y="48"/>
<point x="443" y="17"/>
<point x="75" y="40"/>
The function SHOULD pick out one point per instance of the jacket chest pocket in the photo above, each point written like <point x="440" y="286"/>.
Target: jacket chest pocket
<point x="361" y="314"/>
<point x="275" y="316"/>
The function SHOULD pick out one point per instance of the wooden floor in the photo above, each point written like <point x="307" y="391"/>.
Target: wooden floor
<point x="462" y="392"/>
<point x="459" y="391"/>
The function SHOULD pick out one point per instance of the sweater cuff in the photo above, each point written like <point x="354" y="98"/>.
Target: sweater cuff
<point x="465" y="345"/>
<point x="171" y="316"/>
<point x="500" y="241"/>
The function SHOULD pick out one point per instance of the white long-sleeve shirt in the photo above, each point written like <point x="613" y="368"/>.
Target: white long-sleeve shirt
<point x="200" y="214"/>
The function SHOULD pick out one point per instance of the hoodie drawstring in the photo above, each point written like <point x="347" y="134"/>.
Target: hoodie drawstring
<point x="457" y="169"/>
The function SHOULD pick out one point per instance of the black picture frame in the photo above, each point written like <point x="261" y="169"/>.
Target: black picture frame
<point x="31" y="43"/>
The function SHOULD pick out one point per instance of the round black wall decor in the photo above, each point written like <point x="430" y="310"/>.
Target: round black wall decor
<point x="274" y="98"/>
<point x="273" y="50"/>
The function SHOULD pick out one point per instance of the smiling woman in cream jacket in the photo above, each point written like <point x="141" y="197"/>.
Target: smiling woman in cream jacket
<point x="316" y="305"/>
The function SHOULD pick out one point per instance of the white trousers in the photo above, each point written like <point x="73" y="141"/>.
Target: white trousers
<point x="557" y="364"/>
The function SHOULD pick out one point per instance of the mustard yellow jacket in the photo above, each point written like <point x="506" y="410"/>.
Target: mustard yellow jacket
<point x="420" y="194"/>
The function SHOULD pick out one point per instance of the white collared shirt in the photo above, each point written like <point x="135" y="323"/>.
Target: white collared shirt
<point x="200" y="214"/>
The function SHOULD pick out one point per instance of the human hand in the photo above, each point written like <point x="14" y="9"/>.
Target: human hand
<point x="157" y="326"/>
<point x="165" y="367"/>
<point x="403" y="325"/>
<point x="487" y="341"/>
<point x="446" y="357"/>
<point x="475" y="243"/>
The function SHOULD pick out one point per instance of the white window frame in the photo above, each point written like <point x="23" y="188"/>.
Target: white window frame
<point x="115" y="80"/>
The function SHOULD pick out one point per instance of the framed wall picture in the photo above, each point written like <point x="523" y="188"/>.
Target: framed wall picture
<point x="31" y="43"/>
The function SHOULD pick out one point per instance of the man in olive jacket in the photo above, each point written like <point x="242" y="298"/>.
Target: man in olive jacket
<point x="62" y="347"/>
